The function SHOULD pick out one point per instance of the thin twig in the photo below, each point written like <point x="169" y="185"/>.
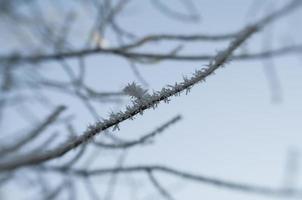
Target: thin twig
<point x="33" y="133"/>
<point x="142" y="140"/>
<point x="243" y="187"/>
<point x="159" y="187"/>
<point x="152" y="56"/>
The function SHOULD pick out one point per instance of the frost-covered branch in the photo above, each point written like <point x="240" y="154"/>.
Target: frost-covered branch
<point x="147" y="101"/>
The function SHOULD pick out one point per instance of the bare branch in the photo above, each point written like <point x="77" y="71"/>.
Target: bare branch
<point x="192" y="15"/>
<point x="295" y="49"/>
<point x="141" y="140"/>
<point x="159" y="187"/>
<point x="35" y="132"/>
<point x="242" y="187"/>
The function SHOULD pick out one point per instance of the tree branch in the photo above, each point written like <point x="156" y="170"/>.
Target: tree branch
<point x="33" y="133"/>
<point x="236" y="186"/>
<point x="151" y="101"/>
<point x="141" y="140"/>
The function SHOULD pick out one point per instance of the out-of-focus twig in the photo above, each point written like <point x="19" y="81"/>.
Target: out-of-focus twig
<point x="142" y="140"/>
<point x="219" y="183"/>
<point x="33" y="133"/>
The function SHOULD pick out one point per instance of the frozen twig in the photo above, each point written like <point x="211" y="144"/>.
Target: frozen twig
<point x="152" y="100"/>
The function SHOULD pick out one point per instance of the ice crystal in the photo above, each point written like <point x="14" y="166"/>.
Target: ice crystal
<point x="135" y="91"/>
